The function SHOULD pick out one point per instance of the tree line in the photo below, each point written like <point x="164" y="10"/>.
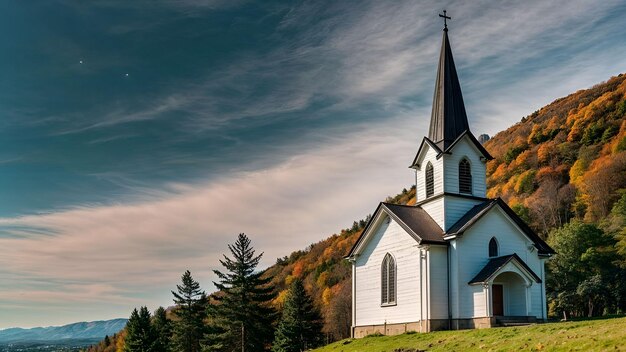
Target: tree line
<point x="587" y="276"/>
<point x="238" y="317"/>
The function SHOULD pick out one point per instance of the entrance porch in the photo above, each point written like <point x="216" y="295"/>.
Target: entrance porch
<point x="507" y="283"/>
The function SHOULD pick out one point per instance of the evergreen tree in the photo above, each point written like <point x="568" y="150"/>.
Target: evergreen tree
<point x="163" y="330"/>
<point x="139" y="333"/>
<point x="300" y="327"/>
<point x="241" y="318"/>
<point x="191" y="304"/>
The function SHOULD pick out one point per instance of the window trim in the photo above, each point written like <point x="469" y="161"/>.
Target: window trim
<point x="431" y="168"/>
<point x="385" y="268"/>
<point x="471" y="181"/>
<point x="493" y="240"/>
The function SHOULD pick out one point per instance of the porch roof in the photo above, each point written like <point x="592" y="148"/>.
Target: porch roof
<point x="493" y="267"/>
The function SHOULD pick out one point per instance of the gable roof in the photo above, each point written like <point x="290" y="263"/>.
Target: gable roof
<point x="472" y="139"/>
<point x="477" y="212"/>
<point x="413" y="219"/>
<point x="494" y="265"/>
<point x="418" y="221"/>
<point x="432" y="144"/>
<point x="448" y="150"/>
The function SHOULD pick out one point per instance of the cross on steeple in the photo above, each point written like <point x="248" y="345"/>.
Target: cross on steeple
<point x="445" y="20"/>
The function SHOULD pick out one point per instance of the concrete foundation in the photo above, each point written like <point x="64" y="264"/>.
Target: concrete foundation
<point x="437" y="324"/>
<point x="473" y="323"/>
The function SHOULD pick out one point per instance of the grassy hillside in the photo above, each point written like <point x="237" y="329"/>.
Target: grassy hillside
<point x="590" y="335"/>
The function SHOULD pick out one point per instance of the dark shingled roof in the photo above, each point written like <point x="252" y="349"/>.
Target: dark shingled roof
<point x="474" y="214"/>
<point x="413" y="219"/>
<point x="496" y="264"/>
<point x="418" y="221"/>
<point x="448" y="119"/>
<point x="470" y="217"/>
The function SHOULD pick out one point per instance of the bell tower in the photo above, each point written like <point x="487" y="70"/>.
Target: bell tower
<point x="450" y="171"/>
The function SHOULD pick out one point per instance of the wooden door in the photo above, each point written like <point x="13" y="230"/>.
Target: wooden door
<point x="497" y="300"/>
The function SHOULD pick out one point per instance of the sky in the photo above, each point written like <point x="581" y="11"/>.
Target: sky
<point x="138" y="138"/>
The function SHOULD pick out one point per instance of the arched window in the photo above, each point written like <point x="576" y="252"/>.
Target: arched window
<point x="388" y="278"/>
<point x="430" y="180"/>
<point x="493" y="247"/>
<point x="465" y="177"/>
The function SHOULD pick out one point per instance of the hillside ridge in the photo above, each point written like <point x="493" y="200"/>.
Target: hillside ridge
<point x="79" y="330"/>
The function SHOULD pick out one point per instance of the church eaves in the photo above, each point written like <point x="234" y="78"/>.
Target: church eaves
<point x="448" y="119"/>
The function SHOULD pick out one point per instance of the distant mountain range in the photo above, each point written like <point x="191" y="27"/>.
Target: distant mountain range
<point x="83" y="330"/>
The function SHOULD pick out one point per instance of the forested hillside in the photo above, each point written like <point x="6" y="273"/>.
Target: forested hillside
<point x="566" y="160"/>
<point x="326" y="274"/>
<point x="562" y="169"/>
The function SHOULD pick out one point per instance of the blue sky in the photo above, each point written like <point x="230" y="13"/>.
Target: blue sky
<point x="138" y="138"/>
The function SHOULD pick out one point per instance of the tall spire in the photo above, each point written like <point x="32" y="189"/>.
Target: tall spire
<point x="448" y="119"/>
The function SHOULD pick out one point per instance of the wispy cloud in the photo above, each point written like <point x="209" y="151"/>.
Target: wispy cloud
<point x="379" y="53"/>
<point x="345" y="89"/>
<point x="113" y="253"/>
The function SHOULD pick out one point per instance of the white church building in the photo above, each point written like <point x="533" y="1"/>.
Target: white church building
<point x="455" y="259"/>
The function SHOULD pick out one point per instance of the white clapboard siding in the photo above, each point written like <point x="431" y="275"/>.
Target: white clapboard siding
<point x="435" y="208"/>
<point x="476" y="241"/>
<point x="478" y="301"/>
<point x="429" y="155"/>
<point x="454" y="279"/>
<point x="389" y="237"/>
<point x="456" y="207"/>
<point x="438" y="299"/>
<point x="465" y="149"/>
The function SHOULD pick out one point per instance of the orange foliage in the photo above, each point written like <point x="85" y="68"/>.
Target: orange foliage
<point x="605" y="175"/>
<point x="298" y="269"/>
<point x="500" y="173"/>
<point x="567" y="141"/>
<point x="547" y="152"/>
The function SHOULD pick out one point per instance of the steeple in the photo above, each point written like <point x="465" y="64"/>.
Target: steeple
<point x="448" y="119"/>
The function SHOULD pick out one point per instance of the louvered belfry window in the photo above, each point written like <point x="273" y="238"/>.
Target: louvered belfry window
<point x="493" y="247"/>
<point x="465" y="177"/>
<point x="388" y="278"/>
<point x="430" y="180"/>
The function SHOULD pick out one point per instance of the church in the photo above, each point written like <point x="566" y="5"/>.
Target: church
<point x="455" y="259"/>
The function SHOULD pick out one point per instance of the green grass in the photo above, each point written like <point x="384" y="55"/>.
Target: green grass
<point x="607" y="334"/>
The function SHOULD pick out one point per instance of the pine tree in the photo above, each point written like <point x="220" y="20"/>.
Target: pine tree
<point x="191" y="304"/>
<point x="300" y="327"/>
<point x="162" y="327"/>
<point x="242" y="318"/>
<point x="139" y="333"/>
